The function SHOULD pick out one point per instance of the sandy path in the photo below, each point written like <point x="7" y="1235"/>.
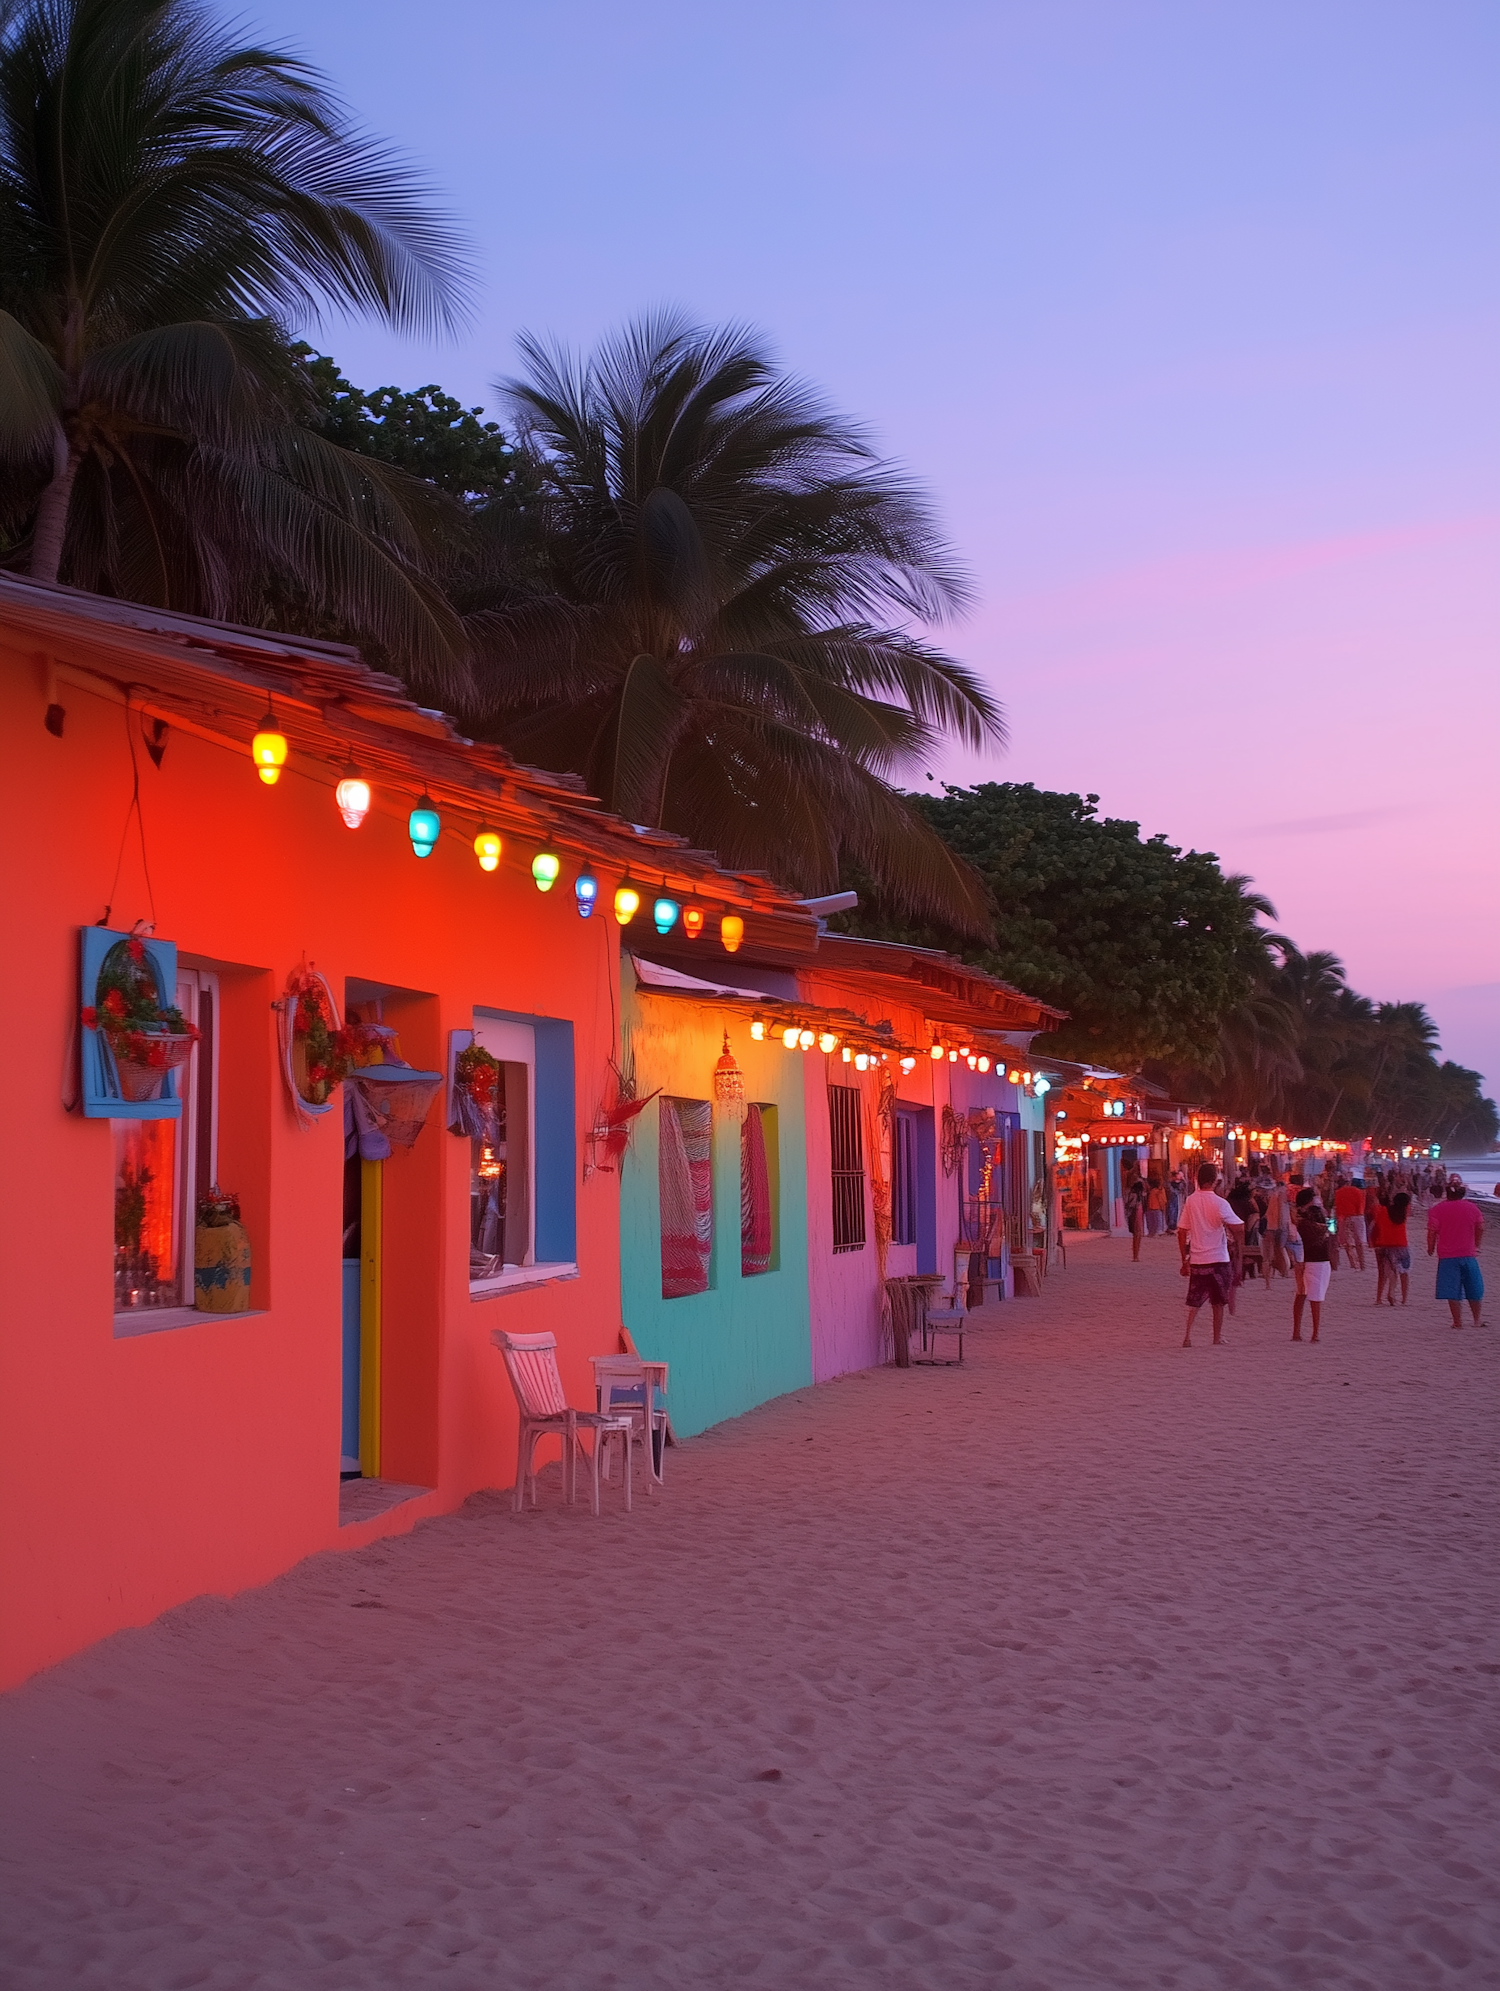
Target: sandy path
<point x="1092" y="1663"/>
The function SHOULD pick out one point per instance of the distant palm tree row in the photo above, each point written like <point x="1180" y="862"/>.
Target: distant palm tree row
<point x="704" y="609"/>
<point x="1305" y="1051"/>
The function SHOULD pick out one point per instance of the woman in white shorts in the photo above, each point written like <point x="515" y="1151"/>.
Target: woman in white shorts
<point x="1315" y="1270"/>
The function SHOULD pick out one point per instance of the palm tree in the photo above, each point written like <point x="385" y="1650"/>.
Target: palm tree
<point x="702" y="614"/>
<point x="169" y="201"/>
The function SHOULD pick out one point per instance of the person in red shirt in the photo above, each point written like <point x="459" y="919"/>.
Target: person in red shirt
<point x="1454" y="1229"/>
<point x="1349" y="1214"/>
<point x="1392" y="1253"/>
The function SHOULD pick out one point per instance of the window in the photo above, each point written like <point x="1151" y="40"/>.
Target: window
<point x="501" y="1172"/>
<point x="848" y="1168"/>
<point x="904" y="1180"/>
<point x="162" y="1168"/>
<point x="686" y="1187"/>
<point x="759" y="1185"/>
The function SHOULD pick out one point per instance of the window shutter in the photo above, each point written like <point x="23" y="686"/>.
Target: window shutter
<point x="101" y="1084"/>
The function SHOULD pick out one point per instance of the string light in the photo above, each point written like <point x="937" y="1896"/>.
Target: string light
<point x="627" y="903"/>
<point x="731" y="932"/>
<point x="1041" y="1087"/>
<point x="937" y="1050"/>
<point x="424" y="826"/>
<point x="953" y="1057"/>
<point x="970" y="1060"/>
<point x="353" y="796"/>
<point x="586" y="893"/>
<point x="546" y="869"/>
<point x="1015" y="1078"/>
<point x="828" y="1042"/>
<point x="984" y="1064"/>
<point x="268" y="748"/>
<point x="789" y="1036"/>
<point x="805" y="1040"/>
<point x="861" y="1061"/>
<point x="848" y="1055"/>
<point x="487" y="848"/>
<point x="908" y="1064"/>
<point x="692" y="921"/>
<point x="757" y="1023"/>
<point x="665" y="912"/>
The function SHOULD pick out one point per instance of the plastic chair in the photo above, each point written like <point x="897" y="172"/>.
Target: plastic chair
<point x="630" y="1387"/>
<point x="531" y="1364"/>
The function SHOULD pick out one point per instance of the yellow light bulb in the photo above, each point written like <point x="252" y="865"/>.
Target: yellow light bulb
<point x="268" y="750"/>
<point x="731" y="932"/>
<point x="805" y="1040"/>
<point x="828" y="1042"/>
<point x="789" y="1036"/>
<point x="627" y="904"/>
<point x="487" y="848"/>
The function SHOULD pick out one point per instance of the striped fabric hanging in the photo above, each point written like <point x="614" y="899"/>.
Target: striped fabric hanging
<point x="685" y="1182"/>
<point x="755" y="1196"/>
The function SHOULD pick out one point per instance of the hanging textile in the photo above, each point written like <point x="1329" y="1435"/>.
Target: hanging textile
<point x="685" y="1181"/>
<point x="755" y="1196"/>
<point x="880" y="1118"/>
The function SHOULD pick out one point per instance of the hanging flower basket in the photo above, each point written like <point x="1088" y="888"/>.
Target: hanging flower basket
<point x="145" y="1038"/>
<point x="476" y="1089"/>
<point x="145" y="1059"/>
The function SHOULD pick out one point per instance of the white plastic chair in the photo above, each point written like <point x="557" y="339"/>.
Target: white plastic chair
<point x="626" y="1385"/>
<point x="531" y="1364"/>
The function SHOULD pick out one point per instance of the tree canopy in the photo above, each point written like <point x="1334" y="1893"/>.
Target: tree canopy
<point x="169" y="197"/>
<point x="704" y="613"/>
<point x="1146" y="946"/>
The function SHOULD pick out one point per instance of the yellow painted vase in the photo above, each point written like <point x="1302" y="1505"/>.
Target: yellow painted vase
<point x="221" y="1269"/>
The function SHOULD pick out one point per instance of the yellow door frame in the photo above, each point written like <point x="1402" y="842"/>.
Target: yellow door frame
<point x="370" y="1186"/>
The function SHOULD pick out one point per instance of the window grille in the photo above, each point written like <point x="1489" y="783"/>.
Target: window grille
<point x="848" y="1168"/>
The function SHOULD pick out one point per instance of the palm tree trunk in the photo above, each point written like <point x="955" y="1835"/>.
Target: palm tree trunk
<point x="52" y="513"/>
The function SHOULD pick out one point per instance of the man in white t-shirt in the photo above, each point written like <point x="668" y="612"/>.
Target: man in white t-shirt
<point x="1210" y="1235"/>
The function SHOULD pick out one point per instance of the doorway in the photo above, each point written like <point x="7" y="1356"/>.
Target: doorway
<point x="359" y="1438"/>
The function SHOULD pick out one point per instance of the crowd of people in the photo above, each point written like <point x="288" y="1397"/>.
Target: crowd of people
<point x="1297" y="1227"/>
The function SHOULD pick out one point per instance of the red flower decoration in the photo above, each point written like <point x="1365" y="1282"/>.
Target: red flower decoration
<point x="91" y="1018"/>
<point x="135" y="949"/>
<point x="115" y="1003"/>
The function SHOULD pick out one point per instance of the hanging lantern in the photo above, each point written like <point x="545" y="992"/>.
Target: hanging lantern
<point x="828" y="1042"/>
<point x="1014" y="1077"/>
<point x="487" y="848"/>
<point x="984" y="1064"/>
<point x="805" y="1040"/>
<point x="789" y="1036"/>
<point x="585" y="891"/>
<point x="268" y="749"/>
<point x="729" y="1082"/>
<point x="970" y="1060"/>
<point x="908" y="1064"/>
<point x="627" y="903"/>
<point x="848" y="1055"/>
<point x="546" y="869"/>
<point x="692" y="921"/>
<point x="424" y="825"/>
<point x="664" y="913"/>
<point x="731" y="932"/>
<point x="861" y="1061"/>
<point x="953" y="1057"/>
<point x="352" y="796"/>
<point x="937" y="1049"/>
<point x="757" y="1023"/>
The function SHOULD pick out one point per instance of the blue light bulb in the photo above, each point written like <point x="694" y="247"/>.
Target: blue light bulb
<point x="423" y="826"/>
<point x="665" y="912"/>
<point x="586" y="891"/>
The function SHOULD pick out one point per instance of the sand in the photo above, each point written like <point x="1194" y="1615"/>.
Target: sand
<point x="1091" y="1663"/>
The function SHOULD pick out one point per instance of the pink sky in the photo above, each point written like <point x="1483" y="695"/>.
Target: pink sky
<point x="1187" y="316"/>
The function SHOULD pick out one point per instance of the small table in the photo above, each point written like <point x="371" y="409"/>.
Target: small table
<point x="651" y="1379"/>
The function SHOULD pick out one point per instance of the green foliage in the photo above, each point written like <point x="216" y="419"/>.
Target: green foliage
<point x="426" y="433"/>
<point x="1146" y="946"/>
<point x="169" y="198"/>
<point x="701" y="613"/>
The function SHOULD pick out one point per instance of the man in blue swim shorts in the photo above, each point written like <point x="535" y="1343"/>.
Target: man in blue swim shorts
<point x="1454" y="1229"/>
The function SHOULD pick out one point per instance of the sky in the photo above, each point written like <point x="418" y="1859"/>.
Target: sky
<point x="1187" y="315"/>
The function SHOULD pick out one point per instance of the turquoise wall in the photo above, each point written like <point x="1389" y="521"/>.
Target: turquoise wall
<point x="744" y="1340"/>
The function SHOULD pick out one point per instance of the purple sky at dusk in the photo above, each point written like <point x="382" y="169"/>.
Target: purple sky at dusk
<point x="1187" y="314"/>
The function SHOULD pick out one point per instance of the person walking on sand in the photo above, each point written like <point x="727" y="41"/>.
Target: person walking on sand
<point x="1349" y="1214"/>
<point x="1392" y="1254"/>
<point x="1454" y="1230"/>
<point x="1135" y="1216"/>
<point x="1209" y="1234"/>
<point x="1317" y="1268"/>
<point x="1156" y="1206"/>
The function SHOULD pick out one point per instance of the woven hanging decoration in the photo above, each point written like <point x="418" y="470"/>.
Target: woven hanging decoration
<point x="729" y="1083"/>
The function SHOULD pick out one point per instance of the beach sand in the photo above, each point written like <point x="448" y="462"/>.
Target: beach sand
<point x="1090" y="1663"/>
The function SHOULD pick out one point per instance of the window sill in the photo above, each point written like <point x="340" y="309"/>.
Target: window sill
<point x="523" y="1276"/>
<point x="157" y="1320"/>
